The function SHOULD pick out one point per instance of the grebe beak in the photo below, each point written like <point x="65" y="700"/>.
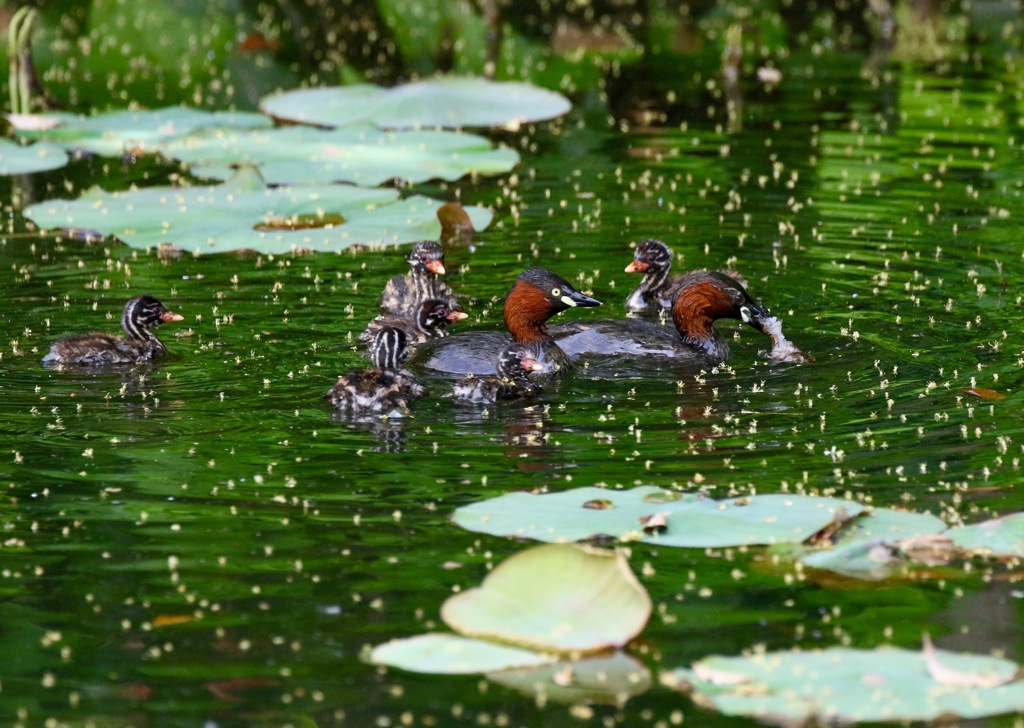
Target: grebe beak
<point x="167" y="316"/>
<point x="456" y="316"/>
<point x="755" y="315"/>
<point x="637" y="266"/>
<point x="435" y="266"/>
<point x="531" y="365"/>
<point x="575" y="298"/>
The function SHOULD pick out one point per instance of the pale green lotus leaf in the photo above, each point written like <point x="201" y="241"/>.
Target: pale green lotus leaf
<point x="361" y="154"/>
<point x="218" y="218"/>
<point x="868" y="547"/>
<point x="996" y="537"/>
<point x="452" y="654"/>
<point x="25" y="159"/>
<point x="561" y="598"/>
<point x="684" y="521"/>
<point x="604" y="679"/>
<point x="448" y="102"/>
<point x="840" y="685"/>
<point x="143" y="132"/>
<point x="889" y="525"/>
<point x="755" y="520"/>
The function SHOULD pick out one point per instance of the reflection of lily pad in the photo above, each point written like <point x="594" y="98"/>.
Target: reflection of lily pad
<point x="845" y="685"/>
<point x="996" y="537"/>
<point x="116" y="132"/>
<point x="450" y="654"/>
<point x="558" y="597"/>
<point x="20" y="159"/>
<point x="439" y="102"/>
<point x="361" y="154"/>
<point x="610" y="679"/>
<point x="646" y="514"/>
<point x="213" y="219"/>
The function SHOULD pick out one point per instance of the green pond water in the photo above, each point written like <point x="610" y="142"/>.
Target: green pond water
<point x="203" y="542"/>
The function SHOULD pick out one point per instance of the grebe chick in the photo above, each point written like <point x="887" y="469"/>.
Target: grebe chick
<point x="512" y="381"/>
<point x="383" y="387"/>
<point x="141" y="315"/>
<point x="403" y="293"/>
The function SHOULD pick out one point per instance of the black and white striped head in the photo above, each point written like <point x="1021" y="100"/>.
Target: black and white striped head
<point x="427" y="255"/>
<point x="144" y="313"/>
<point x="433" y="316"/>
<point x="387" y="350"/>
<point x="650" y="256"/>
<point x="518" y="360"/>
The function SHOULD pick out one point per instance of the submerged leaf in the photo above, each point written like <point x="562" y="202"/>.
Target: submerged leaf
<point x="453" y="655"/>
<point x="601" y="679"/>
<point x="562" y="598"/>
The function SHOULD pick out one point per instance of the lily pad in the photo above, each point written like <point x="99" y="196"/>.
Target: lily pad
<point x="218" y="218"/>
<point x="996" y="537"/>
<point x="450" y="654"/>
<point x="446" y="102"/>
<point x="115" y="132"/>
<point x="871" y="545"/>
<point x="655" y="516"/>
<point x="840" y="685"/>
<point x="25" y="159"/>
<point x="605" y="679"/>
<point x="360" y="154"/>
<point x="558" y="598"/>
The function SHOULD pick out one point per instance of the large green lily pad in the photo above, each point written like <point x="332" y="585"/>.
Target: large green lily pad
<point x="439" y="102"/>
<point x="840" y="685"/>
<point x="243" y="213"/>
<point x="451" y="654"/>
<point x="360" y="154"/>
<point x="25" y="159"/>
<point x="544" y="602"/>
<point x="689" y="521"/>
<point x="996" y="537"/>
<point x="558" y="598"/>
<point x="869" y="547"/>
<point x="115" y="132"/>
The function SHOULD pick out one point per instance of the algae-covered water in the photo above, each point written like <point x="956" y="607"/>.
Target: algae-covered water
<point x="203" y="542"/>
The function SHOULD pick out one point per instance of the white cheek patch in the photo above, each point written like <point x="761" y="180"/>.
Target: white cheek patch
<point x="568" y="301"/>
<point x="745" y="314"/>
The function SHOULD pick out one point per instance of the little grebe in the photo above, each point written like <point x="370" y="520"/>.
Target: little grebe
<point x="141" y="315"/>
<point x="536" y="296"/>
<point x="430" y="320"/>
<point x="657" y="291"/>
<point x="383" y="387"/>
<point x="402" y="294"/>
<point x="512" y="381"/>
<point x="705" y="297"/>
